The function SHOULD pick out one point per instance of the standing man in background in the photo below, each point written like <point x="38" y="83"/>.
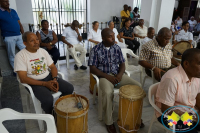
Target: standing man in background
<point x="11" y="27"/>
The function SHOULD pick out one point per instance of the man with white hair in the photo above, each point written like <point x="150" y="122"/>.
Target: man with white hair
<point x="192" y="22"/>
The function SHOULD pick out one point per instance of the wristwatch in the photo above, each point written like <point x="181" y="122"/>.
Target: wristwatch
<point x="56" y="78"/>
<point x="50" y="43"/>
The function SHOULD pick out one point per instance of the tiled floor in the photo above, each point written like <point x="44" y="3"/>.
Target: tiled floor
<point x="80" y="80"/>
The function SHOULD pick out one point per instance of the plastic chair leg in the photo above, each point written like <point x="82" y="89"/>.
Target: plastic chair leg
<point x="38" y="110"/>
<point x="100" y="107"/>
<point x="144" y="81"/>
<point x="67" y="59"/>
<point x="28" y="103"/>
<point x="151" y="124"/>
<point x="94" y="94"/>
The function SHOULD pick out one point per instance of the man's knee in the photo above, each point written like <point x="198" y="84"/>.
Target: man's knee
<point x="106" y="87"/>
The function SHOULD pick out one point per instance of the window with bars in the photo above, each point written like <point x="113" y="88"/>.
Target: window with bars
<point x="59" y="12"/>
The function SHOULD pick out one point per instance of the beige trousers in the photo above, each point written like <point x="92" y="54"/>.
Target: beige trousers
<point x="79" y="48"/>
<point x="108" y="94"/>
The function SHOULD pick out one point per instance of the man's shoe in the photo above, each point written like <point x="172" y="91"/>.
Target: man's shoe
<point x="111" y="128"/>
<point x="75" y="67"/>
<point x="83" y="67"/>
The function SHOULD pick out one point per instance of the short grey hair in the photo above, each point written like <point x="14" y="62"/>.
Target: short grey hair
<point x="24" y="36"/>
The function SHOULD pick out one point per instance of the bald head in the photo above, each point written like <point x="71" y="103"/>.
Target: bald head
<point x="164" y="31"/>
<point x="106" y="32"/>
<point x="25" y="36"/>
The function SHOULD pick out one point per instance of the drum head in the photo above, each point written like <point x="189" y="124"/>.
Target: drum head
<point x="182" y="46"/>
<point x="132" y="92"/>
<point x="69" y="105"/>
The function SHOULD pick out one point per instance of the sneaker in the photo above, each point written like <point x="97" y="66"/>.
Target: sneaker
<point x="75" y="67"/>
<point x="83" y="67"/>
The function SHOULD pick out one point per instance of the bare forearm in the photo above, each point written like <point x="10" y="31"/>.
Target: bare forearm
<point x="54" y="42"/>
<point x="97" y="72"/>
<point x="136" y="35"/>
<point x="92" y="40"/>
<point x="79" y="37"/>
<point x="54" y="72"/>
<point x="63" y="40"/>
<point x="21" y="29"/>
<point x="121" y="69"/>
<point x="31" y="81"/>
<point x="146" y="64"/>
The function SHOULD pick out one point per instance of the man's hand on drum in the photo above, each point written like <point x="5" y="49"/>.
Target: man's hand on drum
<point x="157" y="73"/>
<point x="52" y="85"/>
<point x="112" y="79"/>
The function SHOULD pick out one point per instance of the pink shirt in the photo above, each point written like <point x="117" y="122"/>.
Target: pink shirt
<point x="176" y="89"/>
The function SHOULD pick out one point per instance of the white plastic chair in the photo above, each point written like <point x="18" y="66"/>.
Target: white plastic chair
<point x="9" y="114"/>
<point x="152" y="94"/>
<point x="100" y="107"/>
<point x="36" y="102"/>
<point x="146" y="76"/>
<point x="139" y="40"/>
<point x="67" y="54"/>
<point x="124" y="43"/>
<point x="132" y="68"/>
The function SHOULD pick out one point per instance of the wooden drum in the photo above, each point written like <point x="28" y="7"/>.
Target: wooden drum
<point x="180" y="47"/>
<point x="70" y="119"/>
<point x="130" y="108"/>
<point x="93" y="84"/>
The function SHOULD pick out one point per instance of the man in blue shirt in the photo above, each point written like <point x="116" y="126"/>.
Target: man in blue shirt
<point x="196" y="30"/>
<point x="107" y="62"/>
<point x="11" y="27"/>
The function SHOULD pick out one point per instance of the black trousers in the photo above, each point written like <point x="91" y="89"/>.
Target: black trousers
<point x="180" y="125"/>
<point x="44" y="95"/>
<point x="195" y="34"/>
<point x="54" y="52"/>
<point x="132" y="44"/>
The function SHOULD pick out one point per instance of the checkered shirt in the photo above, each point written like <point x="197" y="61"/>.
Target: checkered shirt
<point x="156" y="55"/>
<point x="105" y="60"/>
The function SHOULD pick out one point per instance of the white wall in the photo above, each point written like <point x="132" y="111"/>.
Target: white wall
<point x="157" y="13"/>
<point x="103" y="10"/>
<point x="24" y="10"/>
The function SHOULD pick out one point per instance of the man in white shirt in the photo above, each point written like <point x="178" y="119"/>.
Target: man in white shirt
<point x="193" y="23"/>
<point x="32" y="64"/>
<point x="184" y="35"/>
<point x="72" y="37"/>
<point x="150" y="35"/>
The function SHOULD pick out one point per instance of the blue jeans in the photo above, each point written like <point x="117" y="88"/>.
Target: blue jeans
<point x="11" y="43"/>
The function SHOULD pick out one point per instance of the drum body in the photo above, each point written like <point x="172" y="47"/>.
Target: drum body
<point x="130" y="108"/>
<point x="180" y="47"/>
<point x="93" y="84"/>
<point x="70" y="119"/>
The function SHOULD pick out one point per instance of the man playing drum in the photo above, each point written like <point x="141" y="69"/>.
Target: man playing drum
<point x="32" y="64"/>
<point x="180" y="86"/>
<point x="107" y="62"/>
<point x="156" y="55"/>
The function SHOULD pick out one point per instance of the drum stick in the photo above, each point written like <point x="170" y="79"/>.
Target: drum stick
<point x="78" y="102"/>
<point x="82" y="103"/>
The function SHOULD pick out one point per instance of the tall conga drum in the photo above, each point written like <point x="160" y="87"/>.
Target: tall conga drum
<point x="180" y="47"/>
<point x="130" y="108"/>
<point x="93" y="84"/>
<point x="70" y="119"/>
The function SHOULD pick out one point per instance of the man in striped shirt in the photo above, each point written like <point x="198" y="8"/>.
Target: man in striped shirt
<point x="107" y="62"/>
<point x="156" y="55"/>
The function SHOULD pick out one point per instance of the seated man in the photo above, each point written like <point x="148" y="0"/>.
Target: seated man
<point x="32" y="64"/>
<point x="72" y="37"/>
<point x="180" y="86"/>
<point x="107" y="62"/>
<point x="184" y="34"/>
<point x="150" y="35"/>
<point x="196" y="29"/>
<point x="193" y="23"/>
<point x="156" y="55"/>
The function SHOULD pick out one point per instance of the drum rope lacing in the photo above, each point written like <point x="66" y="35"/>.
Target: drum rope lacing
<point x="73" y="117"/>
<point x="123" y="123"/>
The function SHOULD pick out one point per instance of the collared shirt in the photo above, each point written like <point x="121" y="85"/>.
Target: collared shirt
<point x="175" y="89"/>
<point x="106" y="60"/>
<point x="127" y="33"/>
<point x="125" y="14"/>
<point x="116" y="34"/>
<point x="140" y="31"/>
<point x="145" y="40"/>
<point x="184" y="36"/>
<point x="71" y="36"/>
<point x="9" y="23"/>
<point x="197" y="27"/>
<point x="96" y="36"/>
<point x="156" y="55"/>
